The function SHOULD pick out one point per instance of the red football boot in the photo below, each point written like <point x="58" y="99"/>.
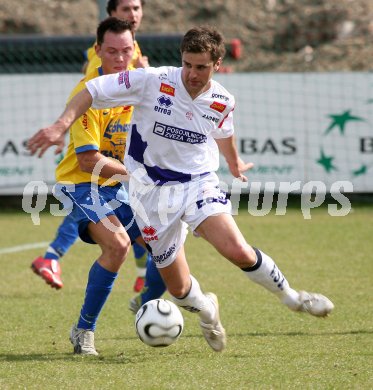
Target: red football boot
<point x="49" y="270"/>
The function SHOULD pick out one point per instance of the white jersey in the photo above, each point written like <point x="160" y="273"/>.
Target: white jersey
<point x="172" y="135"/>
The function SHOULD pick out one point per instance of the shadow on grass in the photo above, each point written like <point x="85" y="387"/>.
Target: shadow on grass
<point x="134" y="356"/>
<point x="308" y="334"/>
<point x="266" y="334"/>
<point x="13" y="357"/>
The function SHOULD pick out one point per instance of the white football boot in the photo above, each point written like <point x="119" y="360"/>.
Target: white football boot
<point x="315" y="304"/>
<point x="83" y="341"/>
<point x="214" y="332"/>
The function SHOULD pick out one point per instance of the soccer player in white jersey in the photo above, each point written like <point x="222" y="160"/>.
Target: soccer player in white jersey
<point x="181" y="118"/>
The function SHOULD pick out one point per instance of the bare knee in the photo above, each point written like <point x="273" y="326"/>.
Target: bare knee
<point x="179" y="289"/>
<point x="242" y="255"/>
<point x="117" y="249"/>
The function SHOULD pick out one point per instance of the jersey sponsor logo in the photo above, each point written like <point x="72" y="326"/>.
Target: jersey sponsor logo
<point x="165" y="255"/>
<point x="123" y="78"/>
<point x="149" y="234"/>
<point x="220" y="107"/>
<point x="149" y="230"/>
<point x="211" y="199"/>
<point x="163" y="76"/>
<point x="178" y="134"/>
<point x="149" y="239"/>
<point x="222" y="97"/>
<point x="116" y="154"/>
<point x="167" y="89"/>
<point x="85" y="121"/>
<point x="117" y="127"/>
<point x="162" y="110"/>
<point x="164" y="101"/>
<point x="210" y="118"/>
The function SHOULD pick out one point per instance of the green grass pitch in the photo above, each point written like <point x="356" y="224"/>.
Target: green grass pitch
<point x="268" y="347"/>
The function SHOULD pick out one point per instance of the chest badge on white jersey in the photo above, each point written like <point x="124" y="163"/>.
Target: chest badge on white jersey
<point x="164" y="104"/>
<point x="189" y="115"/>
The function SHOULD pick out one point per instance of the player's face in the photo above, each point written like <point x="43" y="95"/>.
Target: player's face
<point x="116" y="51"/>
<point x="198" y="69"/>
<point x="129" y="10"/>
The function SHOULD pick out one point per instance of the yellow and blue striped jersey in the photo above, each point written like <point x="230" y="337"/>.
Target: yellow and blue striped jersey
<point x="104" y="130"/>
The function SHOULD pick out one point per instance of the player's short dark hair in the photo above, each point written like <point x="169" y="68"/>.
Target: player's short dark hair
<point x="114" y="25"/>
<point x="204" y="39"/>
<point x="113" y="4"/>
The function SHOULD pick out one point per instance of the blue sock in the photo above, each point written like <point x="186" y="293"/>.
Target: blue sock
<point x="138" y="250"/>
<point x="67" y="234"/>
<point x="141" y="255"/>
<point x="154" y="285"/>
<point x="99" y="286"/>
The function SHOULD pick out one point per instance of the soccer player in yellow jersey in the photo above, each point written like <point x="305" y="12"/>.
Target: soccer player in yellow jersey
<point x="48" y="266"/>
<point x="132" y="11"/>
<point x="100" y="209"/>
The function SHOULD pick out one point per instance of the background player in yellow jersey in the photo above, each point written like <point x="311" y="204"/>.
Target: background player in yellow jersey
<point x="100" y="210"/>
<point x="132" y="11"/>
<point x="48" y="266"/>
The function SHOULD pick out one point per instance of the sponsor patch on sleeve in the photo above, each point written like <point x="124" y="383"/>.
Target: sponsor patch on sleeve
<point x="220" y="107"/>
<point x="123" y="78"/>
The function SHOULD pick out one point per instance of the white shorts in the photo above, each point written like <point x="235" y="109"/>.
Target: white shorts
<point x="164" y="212"/>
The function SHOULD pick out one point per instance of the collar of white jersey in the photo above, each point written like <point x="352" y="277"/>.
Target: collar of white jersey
<point x="182" y="86"/>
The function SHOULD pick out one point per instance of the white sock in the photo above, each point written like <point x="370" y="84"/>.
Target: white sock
<point x="266" y="273"/>
<point x="197" y="302"/>
<point x="51" y="253"/>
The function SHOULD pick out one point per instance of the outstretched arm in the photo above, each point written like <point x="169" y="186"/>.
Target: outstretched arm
<point x="54" y="134"/>
<point x="228" y="149"/>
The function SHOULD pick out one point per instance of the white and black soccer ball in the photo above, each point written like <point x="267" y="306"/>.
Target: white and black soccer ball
<point x="159" y="323"/>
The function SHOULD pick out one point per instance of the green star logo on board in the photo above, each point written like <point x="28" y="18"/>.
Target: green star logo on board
<point x="361" y="171"/>
<point x="326" y="162"/>
<point x="342" y="141"/>
<point x="339" y="121"/>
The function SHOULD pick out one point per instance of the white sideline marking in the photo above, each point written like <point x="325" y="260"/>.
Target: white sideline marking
<point x="25" y="247"/>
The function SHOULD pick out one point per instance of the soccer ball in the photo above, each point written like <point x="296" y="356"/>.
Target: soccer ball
<point x="159" y="323"/>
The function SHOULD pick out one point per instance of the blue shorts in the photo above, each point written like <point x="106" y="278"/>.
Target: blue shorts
<point x="92" y="203"/>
